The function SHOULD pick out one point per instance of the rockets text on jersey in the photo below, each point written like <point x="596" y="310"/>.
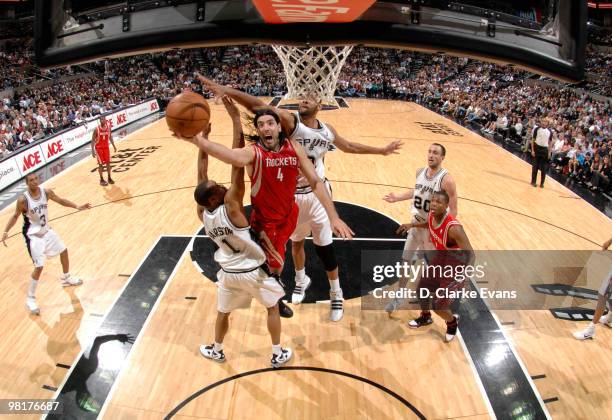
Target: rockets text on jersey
<point x="273" y="182"/>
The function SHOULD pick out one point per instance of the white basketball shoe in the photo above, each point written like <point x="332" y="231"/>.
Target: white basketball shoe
<point x="299" y="292"/>
<point x="32" y="306"/>
<point x="70" y="280"/>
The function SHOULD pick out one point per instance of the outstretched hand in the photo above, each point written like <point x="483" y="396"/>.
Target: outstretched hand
<point x="195" y="140"/>
<point x="341" y="229"/>
<point x="403" y="229"/>
<point x="211" y="86"/>
<point x="206" y="130"/>
<point x="231" y="107"/>
<point x="125" y="338"/>
<point x="85" y="206"/>
<point x="391" y="198"/>
<point x="392" y="148"/>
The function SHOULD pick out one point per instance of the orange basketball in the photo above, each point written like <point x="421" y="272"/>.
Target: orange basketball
<point x="187" y="114"/>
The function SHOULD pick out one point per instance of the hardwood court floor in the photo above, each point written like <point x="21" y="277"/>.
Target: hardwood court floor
<point x="497" y="206"/>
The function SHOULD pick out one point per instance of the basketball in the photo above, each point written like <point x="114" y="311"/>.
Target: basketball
<point x="187" y="114"/>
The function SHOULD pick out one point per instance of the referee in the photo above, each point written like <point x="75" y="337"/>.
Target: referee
<point x="540" y="151"/>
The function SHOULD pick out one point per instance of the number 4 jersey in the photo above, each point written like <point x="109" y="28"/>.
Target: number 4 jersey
<point x="423" y="192"/>
<point x="36" y="216"/>
<point x="273" y="183"/>
<point x="237" y="252"/>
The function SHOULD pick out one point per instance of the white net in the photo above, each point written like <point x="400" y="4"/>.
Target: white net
<point x="312" y="70"/>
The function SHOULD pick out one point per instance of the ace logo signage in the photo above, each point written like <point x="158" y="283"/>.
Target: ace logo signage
<point x="53" y="149"/>
<point x="37" y="156"/>
<point x="30" y="160"/>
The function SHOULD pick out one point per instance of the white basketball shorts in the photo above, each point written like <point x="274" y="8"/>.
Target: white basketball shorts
<point x="48" y="245"/>
<point x="312" y="219"/>
<point x="236" y="290"/>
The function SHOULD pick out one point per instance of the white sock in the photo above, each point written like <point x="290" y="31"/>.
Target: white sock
<point x="591" y="326"/>
<point x="65" y="276"/>
<point x="300" y="274"/>
<point x="217" y="346"/>
<point x="334" y="285"/>
<point x="276" y="349"/>
<point x="32" y="288"/>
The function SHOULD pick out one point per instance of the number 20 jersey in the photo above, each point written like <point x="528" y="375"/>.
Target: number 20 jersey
<point x="423" y="192"/>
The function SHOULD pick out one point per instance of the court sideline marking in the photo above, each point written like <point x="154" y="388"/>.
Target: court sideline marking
<point x="84" y="347"/>
<point x="143" y="329"/>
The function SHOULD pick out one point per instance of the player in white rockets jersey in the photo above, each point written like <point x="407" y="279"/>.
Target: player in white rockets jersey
<point x="428" y="180"/>
<point x="244" y="274"/>
<point x="316" y="138"/>
<point x="41" y="240"/>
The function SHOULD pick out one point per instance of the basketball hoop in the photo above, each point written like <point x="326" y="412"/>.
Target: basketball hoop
<point x="312" y="70"/>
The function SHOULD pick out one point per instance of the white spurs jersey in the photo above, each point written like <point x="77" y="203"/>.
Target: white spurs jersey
<point x="316" y="142"/>
<point x="423" y="192"/>
<point x="36" y="217"/>
<point x="237" y="252"/>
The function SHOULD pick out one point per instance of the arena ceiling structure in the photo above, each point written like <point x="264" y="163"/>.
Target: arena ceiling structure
<point x="551" y="41"/>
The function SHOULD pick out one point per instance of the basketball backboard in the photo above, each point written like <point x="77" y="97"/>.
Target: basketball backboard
<point x="545" y="36"/>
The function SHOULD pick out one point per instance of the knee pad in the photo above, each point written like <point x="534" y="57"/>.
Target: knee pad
<point x="328" y="256"/>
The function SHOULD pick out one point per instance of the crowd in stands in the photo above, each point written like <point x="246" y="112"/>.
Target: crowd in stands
<point x="368" y="72"/>
<point x="498" y="100"/>
<point x="256" y="70"/>
<point x="17" y="67"/>
<point x="601" y="36"/>
<point x="37" y="110"/>
<point x="598" y="68"/>
<point x="504" y="103"/>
